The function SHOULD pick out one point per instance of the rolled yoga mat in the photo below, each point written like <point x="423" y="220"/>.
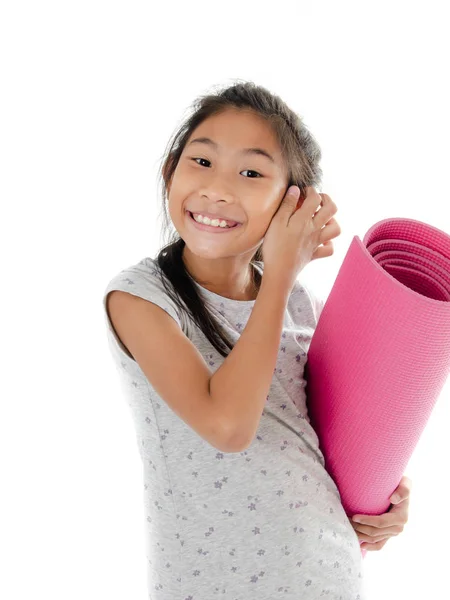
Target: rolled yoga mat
<point x="379" y="358"/>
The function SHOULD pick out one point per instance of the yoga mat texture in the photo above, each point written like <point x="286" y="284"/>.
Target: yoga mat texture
<point x="379" y="358"/>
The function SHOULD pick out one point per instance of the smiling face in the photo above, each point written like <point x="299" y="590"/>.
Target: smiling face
<point x="222" y="180"/>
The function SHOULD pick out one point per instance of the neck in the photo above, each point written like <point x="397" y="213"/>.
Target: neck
<point x="223" y="277"/>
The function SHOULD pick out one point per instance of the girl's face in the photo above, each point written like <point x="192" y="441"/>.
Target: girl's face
<point x="224" y="180"/>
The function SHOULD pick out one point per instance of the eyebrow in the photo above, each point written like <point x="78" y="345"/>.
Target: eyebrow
<point x="258" y="151"/>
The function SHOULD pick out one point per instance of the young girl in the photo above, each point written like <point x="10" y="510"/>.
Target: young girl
<point x="210" y="339"/>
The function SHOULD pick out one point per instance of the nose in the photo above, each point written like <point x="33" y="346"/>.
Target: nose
<point x="217" y="189"/>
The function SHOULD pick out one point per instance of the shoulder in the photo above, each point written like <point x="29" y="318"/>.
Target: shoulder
<point x="143" y="279"/>
<point x="146" y="280"/>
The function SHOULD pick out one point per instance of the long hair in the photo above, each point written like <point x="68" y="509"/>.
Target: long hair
<point x="301" y="154"/>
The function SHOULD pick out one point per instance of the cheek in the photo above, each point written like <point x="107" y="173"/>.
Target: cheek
<point x="257" y="228"/>
<point x="263" y="218"/>
<point x="176" y="213"/>
<point x="170" y="208"/>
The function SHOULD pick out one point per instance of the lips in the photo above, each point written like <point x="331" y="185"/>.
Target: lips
<point x="229" y="222"/>
<point x="211" y="228"/>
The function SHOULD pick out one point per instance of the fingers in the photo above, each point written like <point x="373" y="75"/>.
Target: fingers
<point x="327" y="208"/>
<point x="313" y="199"/>
<point x="319" y="205"/>
<point x="328" y="232"/>
<point x="332" y="228"/>
<point x="322" y="208"/>
<point x="374" y="546"/>
<point x="327" y="249"/>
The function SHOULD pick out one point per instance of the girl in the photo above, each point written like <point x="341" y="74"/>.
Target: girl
<point x="210" y="339"/>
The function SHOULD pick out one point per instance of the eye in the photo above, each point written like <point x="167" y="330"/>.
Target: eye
<point x="249" y="170"/>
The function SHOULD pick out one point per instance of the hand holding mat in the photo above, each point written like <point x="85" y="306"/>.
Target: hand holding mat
<point x="379" y="358"/>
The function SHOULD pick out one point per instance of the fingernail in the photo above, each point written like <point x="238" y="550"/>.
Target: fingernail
<point x="395" y="498"/>
<point x="293" y="190"/>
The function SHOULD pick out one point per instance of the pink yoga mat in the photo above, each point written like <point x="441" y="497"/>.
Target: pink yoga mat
<point x="379" y="358"/>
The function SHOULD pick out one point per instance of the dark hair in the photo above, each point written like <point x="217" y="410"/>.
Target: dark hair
<point x="300" y="152"/>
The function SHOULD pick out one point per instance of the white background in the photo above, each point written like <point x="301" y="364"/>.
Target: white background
<point x="90" y="93"/>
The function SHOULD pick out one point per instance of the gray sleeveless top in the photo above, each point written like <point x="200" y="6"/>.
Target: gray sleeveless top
<point x="260" y="524"/>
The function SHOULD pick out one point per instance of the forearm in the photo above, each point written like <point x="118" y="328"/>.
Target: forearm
<point x="240" y="386"/>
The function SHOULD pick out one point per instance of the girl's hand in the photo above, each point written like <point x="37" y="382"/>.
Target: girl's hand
<point x="375" y="530"/>
<point x="300" y="231"/>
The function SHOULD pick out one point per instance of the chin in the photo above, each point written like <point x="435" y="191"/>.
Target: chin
<point x="205" y="253"/>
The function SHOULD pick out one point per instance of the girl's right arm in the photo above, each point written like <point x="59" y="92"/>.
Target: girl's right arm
<point x="223" y="408"/>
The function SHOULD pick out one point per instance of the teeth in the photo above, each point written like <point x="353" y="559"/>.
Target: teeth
<point x="213" y="223"/>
